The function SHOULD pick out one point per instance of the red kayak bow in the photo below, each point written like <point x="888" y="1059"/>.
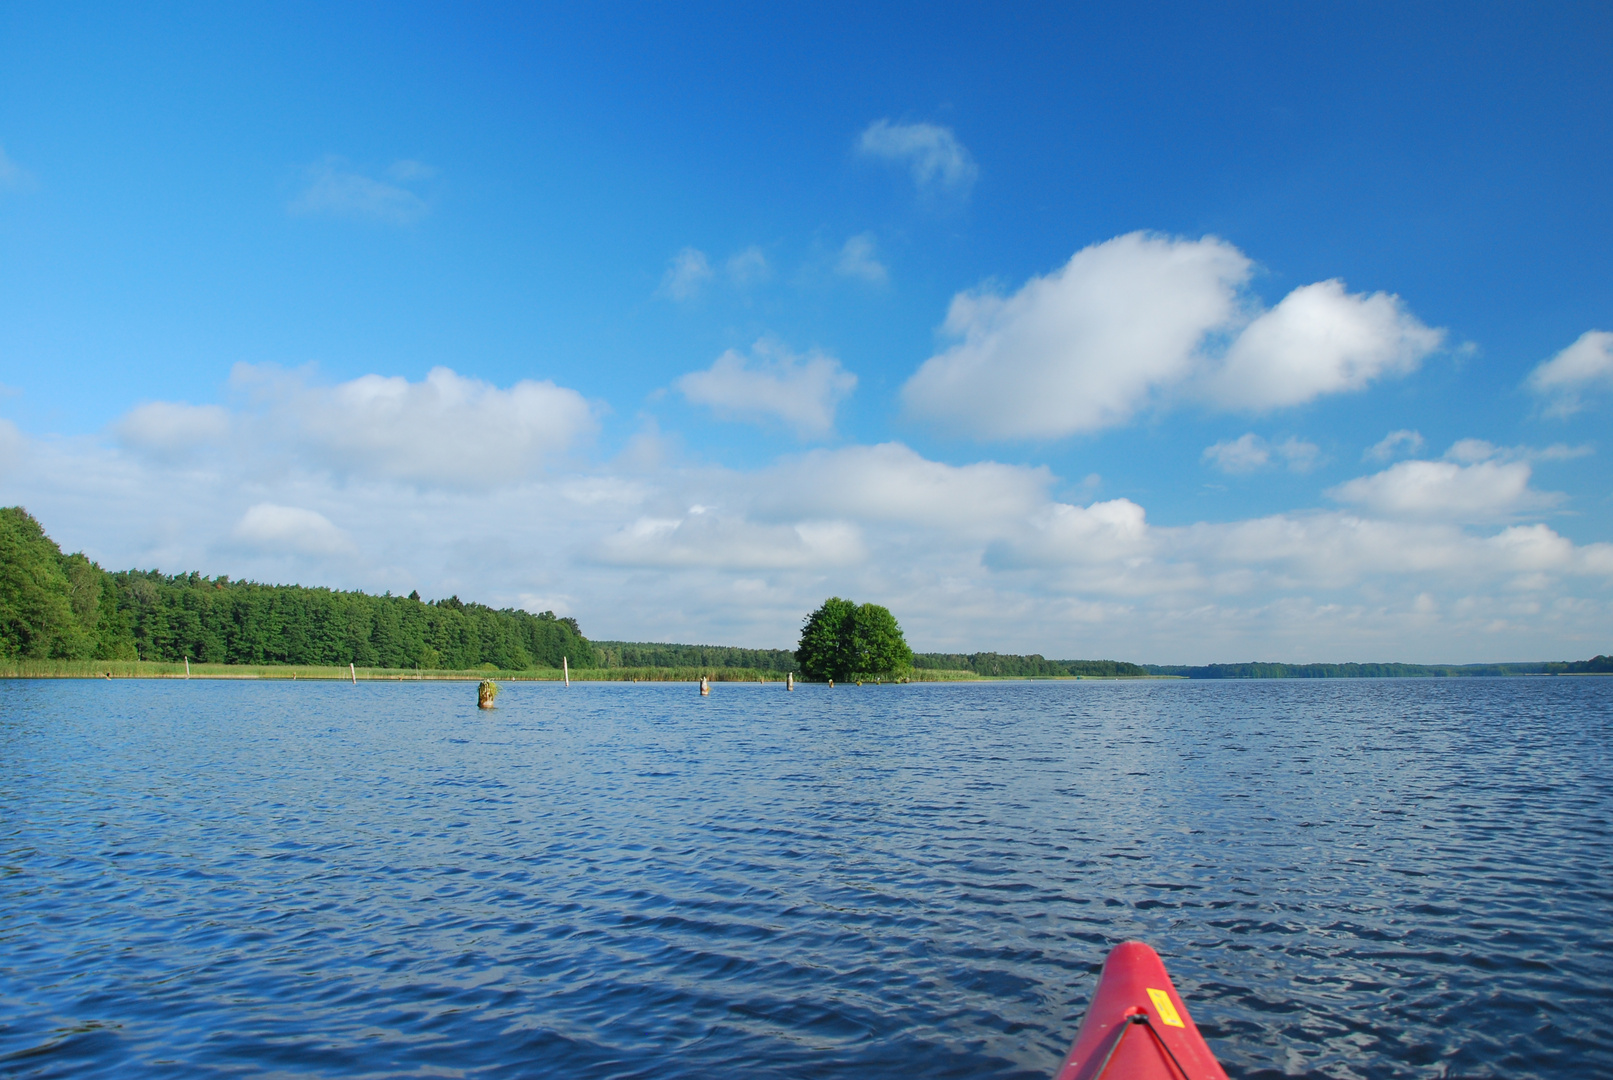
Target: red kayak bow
<point x="1137" y="1027"/>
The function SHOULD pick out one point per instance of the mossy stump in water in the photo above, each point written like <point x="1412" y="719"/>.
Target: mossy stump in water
<point x="485" y="693"/>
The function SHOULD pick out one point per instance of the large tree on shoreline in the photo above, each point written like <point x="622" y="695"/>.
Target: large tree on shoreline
<point x="845" y="640"/>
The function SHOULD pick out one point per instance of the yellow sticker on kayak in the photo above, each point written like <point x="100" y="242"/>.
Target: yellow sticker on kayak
<point x="1167" y="1011"/>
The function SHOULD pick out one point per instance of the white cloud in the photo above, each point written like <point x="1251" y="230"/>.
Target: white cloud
<point x="706" y="538"/>
<point x="1468" y="451"/>
<point x="1585" y="365"/>
<point x="446" y="430"/>
<point x="172" y="428"/>
<point x="748" y="267"/>
<point x="13" y="445"/>
<point x="859" y="259"/>
<point x="1321" y="340"/>
<point x="1339" y="550"/>
<point x="933" y="155"/>
<point x="1394" y="444"/>
<point x="1207" y="563"/>
<point x="276" y="530"/>
<point x="1561" y="452"/>
<point x="1140" y="319"/>
<point x="14" y="177"/>
<point x="686" y="275"/>
<point x="1482" y="489"/>
<point x="1111" y="532"/>
<point x="773" y="384"/>
<point x="890" y="483"/>
<point x="1245" y="454"/>
<point x="335" y="189"/>
<point x="1251" y="453"/>
<point x="1085" y="347"/>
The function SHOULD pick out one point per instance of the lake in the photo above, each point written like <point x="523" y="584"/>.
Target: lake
<point x="1353" y="878"/>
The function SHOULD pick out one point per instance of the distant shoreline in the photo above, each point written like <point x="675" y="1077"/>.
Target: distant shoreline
<point x="151" y="669"/>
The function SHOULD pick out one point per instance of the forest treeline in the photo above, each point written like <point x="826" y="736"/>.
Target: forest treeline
<point x="1010" y="666"/>
<point x="1596" y="665"/>
<point x="615" y="654"/>
<point x="65" y="607"/>
<point x="630" y="654"/>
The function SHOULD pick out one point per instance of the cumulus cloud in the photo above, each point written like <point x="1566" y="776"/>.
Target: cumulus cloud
<point x="273" y="529"/>
<point x="14" y="177"/>
<point x="1111" y="532"/>
<point x="1085" y="347"/>
<point x="1141" y="319"/>
<point x="686" y="275"/>
<point x="937" y="161"/>
<point x="891" y="483"/>
<point x="1393" y="445"/>
<point x="1584" y="366"/>
<point x="335" y="189"/>
<point x="1208" y="563"/>
<point x="1477" y="483"/>
<point x="707" y="538"/>
<point x="1332" y="550"/>
<point x="172" y="429"/>
<point x="1251" y="453"/>
<point x="773" y="384"/>
<point x="1320" y="340"/>
<point x="445" y="430"/>
<point x="748" y="267"/>
<point x="859" y="259"/>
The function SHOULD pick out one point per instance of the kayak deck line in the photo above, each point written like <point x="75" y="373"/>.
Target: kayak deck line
<point x="1135" y="991"/>
<point x="1134" y="1020"/>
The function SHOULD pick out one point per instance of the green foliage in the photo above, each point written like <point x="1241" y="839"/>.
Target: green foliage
<point x="647" y="654"/>
<point x="1596" y="665"/>
<point x="1021" y="667"/>
<point x="824" y="651"/>
<point x="844" y="640"/>
<point x="55" y="606"/>
<point x="49" y="603"/>
<point x="234" y="622"/>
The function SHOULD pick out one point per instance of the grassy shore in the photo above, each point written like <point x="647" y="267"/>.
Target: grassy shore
<point x="147" y="669"/>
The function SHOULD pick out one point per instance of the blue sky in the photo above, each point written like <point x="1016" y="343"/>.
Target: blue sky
<point x="1079" y="332"/>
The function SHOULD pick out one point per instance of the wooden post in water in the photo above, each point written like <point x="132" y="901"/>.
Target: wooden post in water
<point x="353" y="672"/>
<point x="485" y="693"/>
<point x="789" y="681"/>
<point x="705" y="686"/>
<point x="565" y="671"/>
<point x="187" y="667"/>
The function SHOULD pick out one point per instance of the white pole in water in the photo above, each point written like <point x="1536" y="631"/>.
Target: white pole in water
<point x="187" y="667"/>
<point x="789" y="681"/>
<point x="353" y="671"/>
<point x="565" y="669"/>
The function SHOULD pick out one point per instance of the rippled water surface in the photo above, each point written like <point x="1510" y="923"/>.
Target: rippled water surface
<point x="1351" y="878"/>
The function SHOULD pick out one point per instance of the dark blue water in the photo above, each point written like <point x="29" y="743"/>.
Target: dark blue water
<point x="1347" y="879"/>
